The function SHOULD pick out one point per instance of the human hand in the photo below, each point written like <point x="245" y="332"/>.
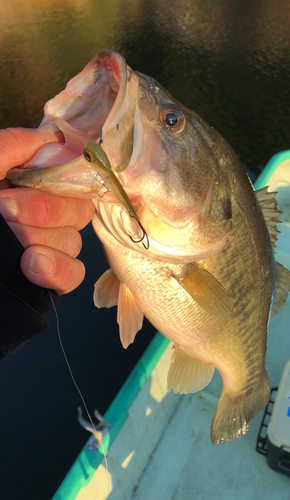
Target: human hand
<point x="46" y="225"/>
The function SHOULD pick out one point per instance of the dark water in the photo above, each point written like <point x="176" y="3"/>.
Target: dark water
<point x="227" y="60"/>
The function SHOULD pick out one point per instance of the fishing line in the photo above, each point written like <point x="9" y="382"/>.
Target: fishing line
<point x="146" y="246"/>
<point x="76" y="385"/>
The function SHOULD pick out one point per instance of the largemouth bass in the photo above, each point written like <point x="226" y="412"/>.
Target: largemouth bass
<point x="207" y="277"/>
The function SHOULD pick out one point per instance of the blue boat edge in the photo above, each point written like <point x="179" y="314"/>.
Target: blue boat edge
<point x="88" y="461"/>
<point x="270" y="168"/>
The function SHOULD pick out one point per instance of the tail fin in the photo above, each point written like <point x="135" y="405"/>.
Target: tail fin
<point x="233" y="413"/>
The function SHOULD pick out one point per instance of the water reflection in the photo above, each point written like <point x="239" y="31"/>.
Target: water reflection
<point x="226" y="60"/>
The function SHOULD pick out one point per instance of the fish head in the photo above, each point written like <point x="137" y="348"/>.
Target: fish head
<point x="172" y="165"/>
<point x="178" y="176"/>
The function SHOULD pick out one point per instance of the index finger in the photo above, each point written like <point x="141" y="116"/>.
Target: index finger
<point x="39" y="209"/>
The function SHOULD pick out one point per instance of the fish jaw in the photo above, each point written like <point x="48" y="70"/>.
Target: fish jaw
<point x="74" y="178"/>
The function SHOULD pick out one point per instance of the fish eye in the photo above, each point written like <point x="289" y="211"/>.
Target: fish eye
<point x="87" y="156"/>
<point x="172" y="118"/>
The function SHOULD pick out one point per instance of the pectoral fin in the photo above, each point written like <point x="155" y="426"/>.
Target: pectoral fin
<point x="205" y="289"/>
<point x="283" y="288"/>
<point x="130" y="316"/>
<point x="106" y="290"/>
<point x="186" y="374"/>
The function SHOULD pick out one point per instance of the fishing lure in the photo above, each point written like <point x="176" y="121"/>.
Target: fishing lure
<point x="94" y="154"/>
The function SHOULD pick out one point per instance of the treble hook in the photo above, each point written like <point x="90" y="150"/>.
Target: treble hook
<point x="144" y="236"/>
<point x="103" y="166"/>
<point x="102" y="195"/>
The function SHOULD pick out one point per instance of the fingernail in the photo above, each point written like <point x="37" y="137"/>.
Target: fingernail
<point x="41" y="264"/>
<point x="48" y="129"/>
<point x="9" y="209"/>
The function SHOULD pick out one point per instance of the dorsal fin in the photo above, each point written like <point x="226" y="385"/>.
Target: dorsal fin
<point x="268" y="205"/>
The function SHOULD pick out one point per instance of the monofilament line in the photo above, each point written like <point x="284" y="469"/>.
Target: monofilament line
<point x="76" y="385"/>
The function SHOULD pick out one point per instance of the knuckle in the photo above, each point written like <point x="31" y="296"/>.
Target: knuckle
<point x="71" y="241"/>
<point x="70" y="274"/>
<point x="84" y="214"/>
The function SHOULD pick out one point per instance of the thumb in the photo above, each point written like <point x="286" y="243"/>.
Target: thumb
<point x="18" y="145"/>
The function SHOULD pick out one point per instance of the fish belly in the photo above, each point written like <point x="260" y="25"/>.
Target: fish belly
<point x="176" y="315"/>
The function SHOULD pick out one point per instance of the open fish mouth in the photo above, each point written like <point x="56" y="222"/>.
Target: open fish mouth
<point x="91" y="105"/>
<point x="90" y="100"/>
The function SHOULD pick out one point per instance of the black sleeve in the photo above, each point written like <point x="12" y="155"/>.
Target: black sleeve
<point x="22" y="304"/>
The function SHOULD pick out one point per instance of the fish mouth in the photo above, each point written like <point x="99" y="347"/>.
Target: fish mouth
<point x="92" y="98"/>
<point x="92" y="103"/>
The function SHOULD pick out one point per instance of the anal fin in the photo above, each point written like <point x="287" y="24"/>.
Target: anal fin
<point x="106" y="290"/>
<point x="186" y="374"/>
<point x="130" y="316"/>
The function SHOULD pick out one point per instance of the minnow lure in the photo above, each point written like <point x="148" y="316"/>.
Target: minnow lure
<point x="94" y="154"/>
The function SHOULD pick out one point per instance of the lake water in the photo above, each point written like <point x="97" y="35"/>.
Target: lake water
<point x="227" y="60"/>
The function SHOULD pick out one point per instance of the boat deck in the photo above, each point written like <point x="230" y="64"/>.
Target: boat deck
<point x="164" y="450"/>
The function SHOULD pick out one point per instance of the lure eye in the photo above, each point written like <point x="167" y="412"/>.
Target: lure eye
<point x="172" y="118"/>
<point x="87" y="156"/>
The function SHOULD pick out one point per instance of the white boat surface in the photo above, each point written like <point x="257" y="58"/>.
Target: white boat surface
<point x="158" y="446"/>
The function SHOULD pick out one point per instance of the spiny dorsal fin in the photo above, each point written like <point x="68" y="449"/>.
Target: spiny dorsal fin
<point x="268" y="205"/>
<point x="106" y="290"/>
<point x="283" y="288"/>
<point x="205" y="289"/>
<point x="186" y="374"/>
<point x="129" y="317"/>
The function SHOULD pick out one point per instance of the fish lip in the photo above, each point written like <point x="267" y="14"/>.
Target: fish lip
<point x="116" y="63"/>
<point x="116" y="77"/>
